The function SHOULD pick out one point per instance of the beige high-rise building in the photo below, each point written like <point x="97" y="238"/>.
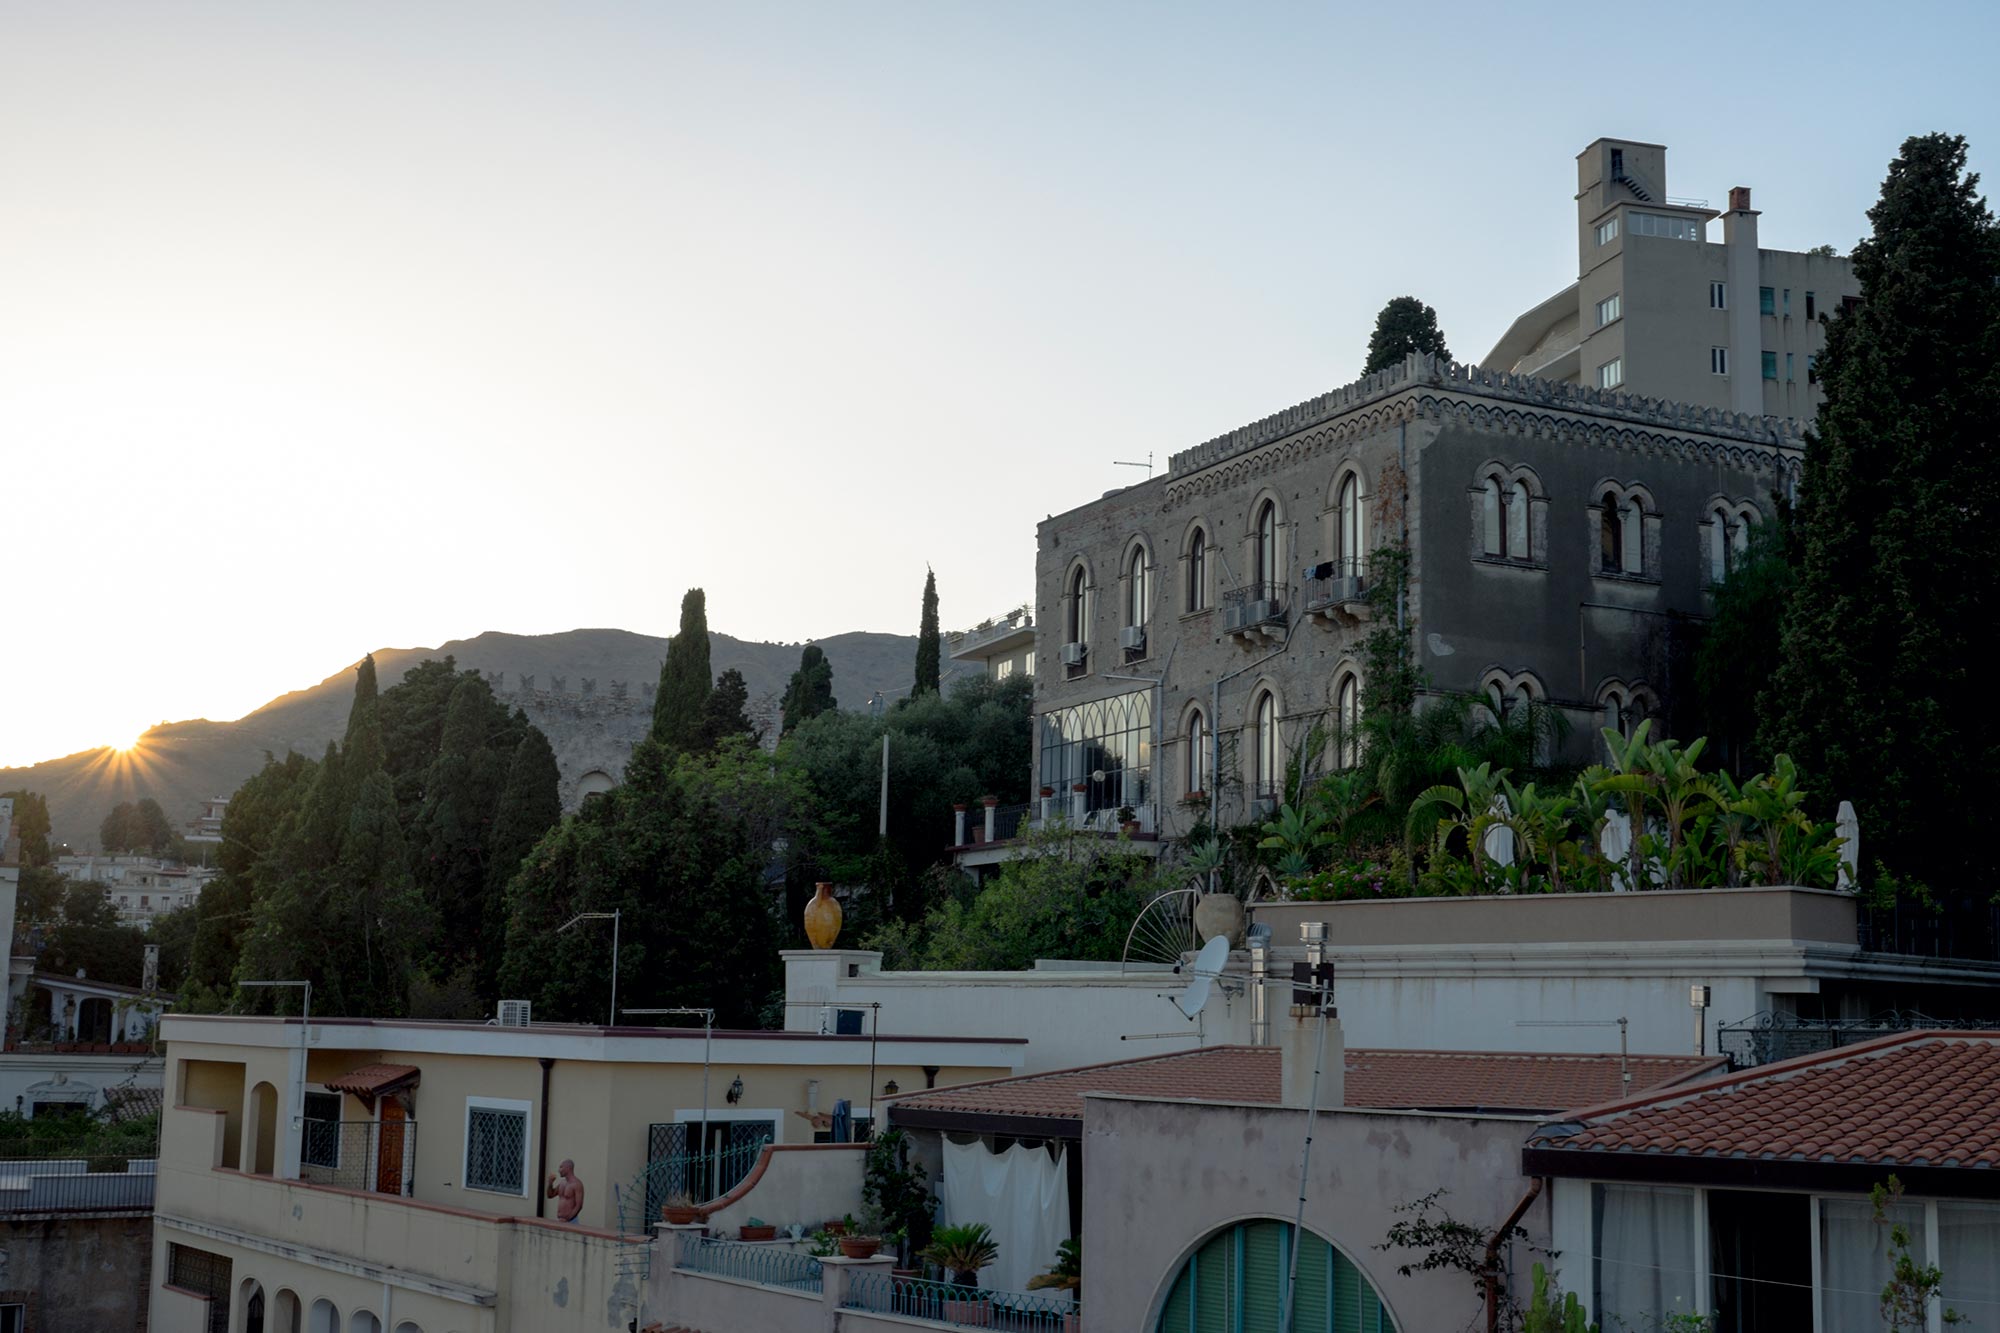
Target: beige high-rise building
<point x="1662" y="311"/>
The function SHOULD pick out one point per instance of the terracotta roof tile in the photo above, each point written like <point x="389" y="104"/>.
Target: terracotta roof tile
<point x="1919" y="1098"/>
<point x="370" y="1080"/>
<point x="1377" y="1079"/>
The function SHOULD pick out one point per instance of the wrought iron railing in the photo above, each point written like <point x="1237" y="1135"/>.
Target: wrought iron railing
<point x="1007" y="821"/>
<point x="77" y="1176"/>
<point x="768" y="1265"/>
<point x="1257" y="604"/>
<point x="359" y="1154"/>
<point x="955" y="1306"/>
<point x="1334" y="583"/>
<point x="1965" y="925"/>
<point x="1768" y="1037"/>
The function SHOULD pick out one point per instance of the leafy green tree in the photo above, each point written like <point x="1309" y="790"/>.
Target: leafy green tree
<point x="454" y="826"/>
<point x="1742" y="643"/>
<point x="726" y="713"/>
<point x="530" y="805"/>
<point x="1878" y="693"/>
<point x="810" y="690"/>
<point x="680" y="706"/>
<point x="89" y="939"/>
<point x="1405" y="325"/>
<point x="927" y="639"/>
<point x="136" y="826"/>
<point x="685" y="858"/>
<point x="31" y="825"/>
<point x="252" y="824"/>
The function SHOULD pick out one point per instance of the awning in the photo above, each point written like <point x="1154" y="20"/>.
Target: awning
<point x="372" y="1081"/>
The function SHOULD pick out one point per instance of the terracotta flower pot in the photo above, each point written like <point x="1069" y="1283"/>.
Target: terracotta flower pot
<point x="679" y="1216"/>
<point x="823" y="917"/>
<point x="835" y="1228"/>
<point x="757" y="1233"/>
<point x="859" y="1247"/>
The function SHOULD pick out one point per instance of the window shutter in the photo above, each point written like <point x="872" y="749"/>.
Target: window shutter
<point x="1178" y="1315"/>
<point x="1351" y="1294"/>
<point x="1315" y="1290"/>
<point x="1264" y="1262"/>
<point x="1215" y="1286"/>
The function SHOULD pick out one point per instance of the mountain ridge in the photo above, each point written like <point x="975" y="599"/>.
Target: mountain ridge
<point x="592" y="720"/>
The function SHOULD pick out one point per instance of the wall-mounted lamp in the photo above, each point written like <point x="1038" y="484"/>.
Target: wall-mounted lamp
<point x="889" y="1089"/>
<point x="735" y="1093"/>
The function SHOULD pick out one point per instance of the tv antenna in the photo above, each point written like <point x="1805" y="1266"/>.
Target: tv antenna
<point x="1148" y="464"/>
<point x="1624" y="1057"/>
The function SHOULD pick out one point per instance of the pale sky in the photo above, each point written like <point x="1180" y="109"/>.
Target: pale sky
<point x="330" y="327"/>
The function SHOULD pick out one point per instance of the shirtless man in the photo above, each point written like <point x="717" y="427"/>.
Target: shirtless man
<point x="564" y="1185"/>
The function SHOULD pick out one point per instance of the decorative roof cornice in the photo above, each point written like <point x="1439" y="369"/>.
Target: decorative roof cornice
<point x="1425" y="388"/>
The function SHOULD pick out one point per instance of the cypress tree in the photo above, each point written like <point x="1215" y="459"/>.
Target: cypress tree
<point x="927" y="639"/>
<point x="1405" y="325"/>
<point x="810" y="690"/>
<point x="681" y="703"/>
<point x="1880" y="694"/>
<point x="727" y="712"/>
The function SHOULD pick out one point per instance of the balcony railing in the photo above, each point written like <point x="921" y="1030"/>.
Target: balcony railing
<point x="359" y="1154"/>
<point x="1963" y="925"/>
<point x="1769" y="1037"/>
<point x="79" y="1176"/>
<point x="1248" y="609"/>
<point x="767" y="1265"/>
<point x="1337" y="583"/>
<point x="954" y="1306"/>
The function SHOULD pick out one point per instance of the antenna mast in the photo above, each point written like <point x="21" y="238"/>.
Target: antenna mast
<point x="1148" y="464"/>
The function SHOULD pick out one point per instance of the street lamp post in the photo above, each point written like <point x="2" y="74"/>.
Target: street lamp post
<point x="298" y="1091"/>
<point x="614" y="919"/>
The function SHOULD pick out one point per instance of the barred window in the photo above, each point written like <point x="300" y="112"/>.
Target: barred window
<point x="320" y="1144"/>
<point x="496" y="1146"/>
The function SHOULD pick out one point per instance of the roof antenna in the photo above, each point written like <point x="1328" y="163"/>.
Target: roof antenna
<point x="1624" y="1057"/>
<point x="1148" y="464"/>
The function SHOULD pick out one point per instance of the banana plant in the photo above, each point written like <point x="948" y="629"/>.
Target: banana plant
<point x="1732" y="822"/>
<point x="1773" y="803"/>
<point x="1474" y="803"/>
<point x="1543" y="821"/>
<point x="1295" y="834"/>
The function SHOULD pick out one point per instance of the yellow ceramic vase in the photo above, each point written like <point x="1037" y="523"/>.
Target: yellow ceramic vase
<point x="823" y="918"/>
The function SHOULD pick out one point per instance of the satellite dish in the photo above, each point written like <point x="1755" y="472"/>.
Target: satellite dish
<point x="1208" y="965"/>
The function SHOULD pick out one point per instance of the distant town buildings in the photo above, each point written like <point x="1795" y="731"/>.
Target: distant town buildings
<point x="207" y="826"/>
<point x="140" y="887"/>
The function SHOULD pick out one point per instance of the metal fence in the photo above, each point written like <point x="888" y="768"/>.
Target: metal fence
<point x="767" y="1265"/>
<point x="1769" y="1037"/>
<point x="1007" y="821"/>
<point x="359" y="1154"/>
<point x="1959" y="926"/>
<point x="75" y="1177"/>
<point x="954" y="1306"/>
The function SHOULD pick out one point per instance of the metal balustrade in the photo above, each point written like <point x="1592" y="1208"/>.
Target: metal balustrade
<point x="955" y="1306"/>
<point x="359" y="1154"/>
<point x="768" y="1265"/>
<point x="79" y="1177"/>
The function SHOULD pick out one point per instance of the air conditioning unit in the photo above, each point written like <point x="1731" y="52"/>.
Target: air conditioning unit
<point x="514" y="1013"/>
<point x="1073" y="654"/>
<point x="1344" y="590"/>
<point x="1132" y="638"/>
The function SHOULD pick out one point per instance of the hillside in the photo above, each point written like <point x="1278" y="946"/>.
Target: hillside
<point x="589" y="689"/>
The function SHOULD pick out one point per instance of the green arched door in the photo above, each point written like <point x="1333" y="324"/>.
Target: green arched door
<point x="1235" y="1281"/>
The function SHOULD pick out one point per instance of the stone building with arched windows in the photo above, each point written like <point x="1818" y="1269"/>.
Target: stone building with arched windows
<point x="1200" y="632"/>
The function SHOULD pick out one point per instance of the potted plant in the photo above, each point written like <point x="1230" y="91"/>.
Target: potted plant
<point x="859" y="1247"/>
<point x="1128" y="819"/>
<point x="899" y="1240"/>
<point x="679" y="1210"/>
<point x="837" y="1227"/>
<point x="962" y="1251"/>
<point x="757" y="1229"/>
<point x="1066" y="1275"/>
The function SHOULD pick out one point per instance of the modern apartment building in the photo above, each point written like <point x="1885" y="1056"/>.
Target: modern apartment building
<point x="373" y="1176"/>
<point x="1660" y="310"/>
<point x="140" y="887"/>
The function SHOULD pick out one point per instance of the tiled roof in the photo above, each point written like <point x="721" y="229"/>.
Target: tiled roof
<point x="369" y="1080"/>
<point x="133" y="1103"/>
<point x="1508" y="1080"/>
<point x="1917" y="1099"/>
<point x="1438" y="1080"/>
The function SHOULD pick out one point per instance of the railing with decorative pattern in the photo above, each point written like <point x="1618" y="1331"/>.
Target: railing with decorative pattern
<point x="768" y="1265"/>
<point x="955" y="1306"/>
<point x="1768" y="1037"/>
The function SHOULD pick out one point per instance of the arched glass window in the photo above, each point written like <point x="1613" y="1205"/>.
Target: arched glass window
<point x="1493" y="531"/>
<point x="1739" y="536"/>
<point x="1631" y="541"/>
<point x="1075" y="609"/>
<point x="1347" y="526"/>
<point x="1196" y="769"/>
<point x="1135" y="588"/>
<point x="1347" y="722"/>
<point x="1517" y="521"/>
<point x="1610" y="534"/>
<point x="1266" y="573"/>
<point x="1264" y="777"/>
<point x="1197" y="570"/>
<point x="1235" y="1282"/>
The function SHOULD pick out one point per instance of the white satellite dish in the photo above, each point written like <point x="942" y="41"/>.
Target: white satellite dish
<point x="1208" y="965"/>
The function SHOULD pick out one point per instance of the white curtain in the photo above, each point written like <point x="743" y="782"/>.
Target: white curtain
<point x="1645" y="1255"/>
<point x="1022" y="1194"/>
<point x="1969" y="1255"/>
<point x="1854" y="1261"/>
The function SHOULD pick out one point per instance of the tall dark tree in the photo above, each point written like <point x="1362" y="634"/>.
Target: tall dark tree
<point x="455" y="824"/>
<point x="1405" y="325"/>
<point x="1741" y="642"/>
<point x="682" y="701"/>
<point x="727" y="712"/>
<point x="1882" y="693"/>
<point x="530" y="805"/>
<point x="927" y="639"/>
<point x="136" y="826"/>
<point x="810" y="691"/>
<point x="31" y="825"/>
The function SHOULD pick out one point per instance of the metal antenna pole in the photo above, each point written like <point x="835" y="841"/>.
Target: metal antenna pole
<point x="1286" y="1306"/>
<point x="707" y="1049"/>
<point x="616" y="922"/>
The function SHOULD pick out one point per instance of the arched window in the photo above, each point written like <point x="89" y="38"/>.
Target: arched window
<point x="1264" y="746"/>
<point x="1135" y="587"/>
<point x="1078" y="622"/>
<point x="1517" y="521"/>
<point x="1347" y="721"/>
<point x="1610" y="534"/>
<point x="1235" y="1281"/>
<point x="1197" y="570"/>
<point x="1493" y="521"/>
<point x="1196" y="768"/>
<point x="1631" y="540"/>
<point x="1266" y="559"/>
<point x="1347" y="526"/>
